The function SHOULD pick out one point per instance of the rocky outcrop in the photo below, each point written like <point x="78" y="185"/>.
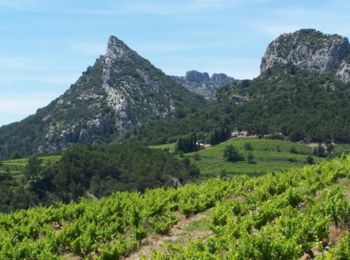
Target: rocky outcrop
<point x="119" y="92"/>
<point x="202" y="84"/>
<point x="308" y="49"/>
<point x="343" y="72"/>
<point x="221" y="78"/>
<point x="196" y="76"/>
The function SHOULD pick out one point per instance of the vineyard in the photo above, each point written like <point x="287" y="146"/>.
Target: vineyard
<point x="287" y="215"/>
<point x="269" y="156"/>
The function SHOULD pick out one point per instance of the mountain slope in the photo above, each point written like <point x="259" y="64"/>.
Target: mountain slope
<point x="120" y="91"/>
<point x="300" y="93"/>
<point x="297" y="103"/>
<point x="201" y="84"/>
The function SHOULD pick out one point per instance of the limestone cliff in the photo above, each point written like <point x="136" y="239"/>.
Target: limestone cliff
<point x="311" y="50"/>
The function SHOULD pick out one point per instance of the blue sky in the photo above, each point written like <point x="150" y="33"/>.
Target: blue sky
<point x="46" y="44"/>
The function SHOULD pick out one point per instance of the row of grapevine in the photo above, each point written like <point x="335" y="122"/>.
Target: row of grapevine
<point x="106" y="228"/>
<point x="278" y="216"/>
<point x="275" y="216"/>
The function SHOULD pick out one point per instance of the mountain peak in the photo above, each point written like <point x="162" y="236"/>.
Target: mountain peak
<point x="117" y="49"/>
<point x="197" y="76"/>
<point x="307" y="49"/>
<point x="119" y="92"/>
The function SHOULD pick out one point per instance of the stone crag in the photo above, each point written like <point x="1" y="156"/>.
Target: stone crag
<point x="202" y="84"/>
<point x="311" y="50"/>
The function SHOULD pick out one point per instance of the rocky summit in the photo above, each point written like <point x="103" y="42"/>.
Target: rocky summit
<point x="120" y="91"/>
<point x="202" y="84"/>
<point x="311" y="50"/>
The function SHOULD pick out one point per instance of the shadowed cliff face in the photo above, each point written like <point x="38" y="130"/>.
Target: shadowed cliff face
<point x="120" y="91"/>
<point x="311" y="50"/>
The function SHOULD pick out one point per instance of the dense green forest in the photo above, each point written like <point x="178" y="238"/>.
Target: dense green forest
<point x="90" y="171"/>
<point x="297" y="104"/>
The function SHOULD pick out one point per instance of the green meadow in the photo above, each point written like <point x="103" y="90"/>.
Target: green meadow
<point x="268" y="156"/>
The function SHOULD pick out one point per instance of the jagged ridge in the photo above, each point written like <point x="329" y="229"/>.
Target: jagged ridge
<point x="202" y="84"/>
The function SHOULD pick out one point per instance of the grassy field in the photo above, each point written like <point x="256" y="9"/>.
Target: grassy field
<point x="269" y="156"/>
<point x="170" y="147"/>
<point x="17" y="165"/>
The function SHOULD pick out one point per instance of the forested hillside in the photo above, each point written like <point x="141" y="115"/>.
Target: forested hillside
<point x="92" y="172"/>
<point x="296" y="103"/>
<point x="302" y="93"/>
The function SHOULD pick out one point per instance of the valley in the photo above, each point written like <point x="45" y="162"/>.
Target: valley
<point x="130" y="163"/>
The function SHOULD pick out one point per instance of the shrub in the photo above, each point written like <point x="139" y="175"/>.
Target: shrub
<point x="250" y="158"/>
<point x="320" y="151"/>
<point x="231" y="154"/>
<point x="248" y="146"/>
<point x="197" y="157"/>
<point x="293" y="150"/>
<point x="310" y="160"/>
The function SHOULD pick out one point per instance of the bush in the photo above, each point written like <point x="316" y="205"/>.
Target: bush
<point x="330" y="147"/>
<point x="276" y="136"/>
<point x="231" y="154"/>
<point x="310" y="160"/>
<point x="293" y="150"/>
<point x="248" y="146"/>
<point x="320" y="151"/>
<point x="197" y="157"/>
<point x="250" y="158"/>
<point x="278" y="148"/>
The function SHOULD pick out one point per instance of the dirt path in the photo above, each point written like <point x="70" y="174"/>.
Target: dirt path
<point x="178" y="233"/>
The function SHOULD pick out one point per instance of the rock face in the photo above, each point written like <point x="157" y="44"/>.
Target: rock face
<point x="196" y="76"/>
<point x="119" y="92"/>
<point x="311" y="50"/>
<point x="202" y="84"/>
<point x="343" y="72"/>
